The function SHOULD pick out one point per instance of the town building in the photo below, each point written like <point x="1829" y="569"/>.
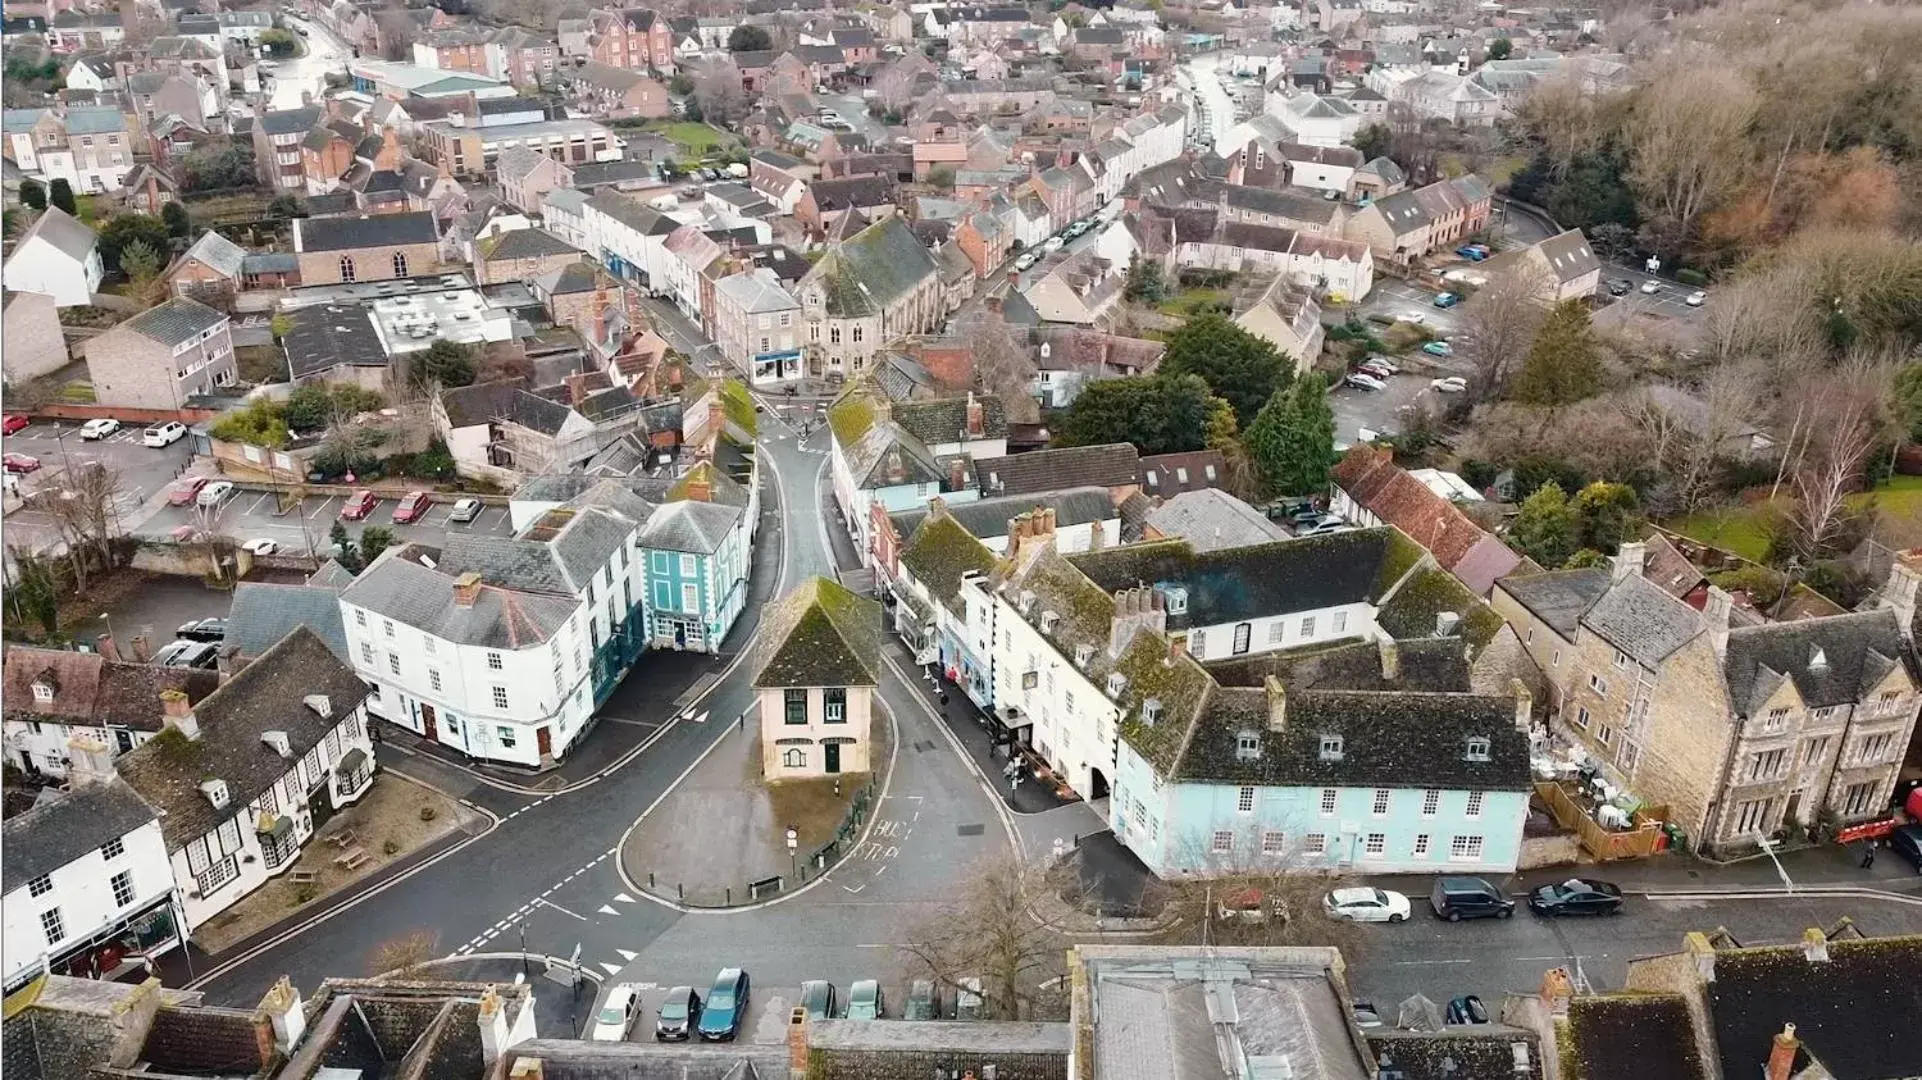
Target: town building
<point x="1562" y="267"/>
<point x="378" y="247"/>
<point x="56" y="696"/>
<point x="879" y="285"/>
<point x="814" y="690"/>
<point x="163" y="356"/>
<point x="32" y="344"/>
<point x="58" y="256"/>
<point x="1408" y="225"/>
<point x="757" y="324"/>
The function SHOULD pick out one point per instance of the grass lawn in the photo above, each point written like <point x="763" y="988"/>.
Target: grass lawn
<point x="1739" y="528"/>
<point x="1188" y="301"/>
<point x="85" y="210"/>
<point x="694" y="140"/>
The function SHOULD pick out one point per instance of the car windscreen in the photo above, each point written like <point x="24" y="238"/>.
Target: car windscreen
<point x="610" y="1014"/>
<point x="675" y="1009"/>
<point x="721" y="1000"/>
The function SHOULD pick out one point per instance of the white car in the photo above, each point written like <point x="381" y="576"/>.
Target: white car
<point x="165" y="434"/>
<point x="1415" y="317"/>
<point x="1651" y="287"/>
<point x="1026" y="260"/>
<point x="617" y="1013"/>
<point x="1053" y="244"/>
<point x="1366" y="905"/>
<point x="1361" y="380"/>
<point x="261" y="547"/>
<point x="1454" y="384"/>
<point x="1696" y="298"/>
<point x="214" y="493"/>
<point x="99" y="429"/>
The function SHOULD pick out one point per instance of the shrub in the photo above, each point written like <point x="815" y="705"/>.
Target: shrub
<point x="391" y="847"/>
<point x="1689" y="276"/>
<point x="428" y="813"/>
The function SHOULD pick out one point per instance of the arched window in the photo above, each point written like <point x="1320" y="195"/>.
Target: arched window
<point x="400" y="264"/>
<point x="794" y="759"/>
<point x="346" y="268"/>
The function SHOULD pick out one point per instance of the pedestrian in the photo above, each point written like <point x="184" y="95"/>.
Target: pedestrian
<point x="1868" y="855"/>
<point x="1014" y="782"/>
<point x="944" y="699"/>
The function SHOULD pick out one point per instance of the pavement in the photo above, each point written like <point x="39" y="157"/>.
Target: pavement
<point x="970" y="728"/>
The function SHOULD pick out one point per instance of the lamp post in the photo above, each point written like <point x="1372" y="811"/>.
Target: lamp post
<point x="793" y="843"/>
<point x="107" y="617"/>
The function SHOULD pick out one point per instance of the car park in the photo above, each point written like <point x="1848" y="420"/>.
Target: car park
<point x="818" y="997"/>
<point x="676" y="1017"/>
<point x="1438" y="348"/>
<point x="1447" y="299"/>
<point x="98" y="429"/>
<point x="165" y="434"/>
<point x="1696" y="298"/>
<point x="726" y="1004"/>
<point x="262" y="546"/>
<point x="1451" y="384"/>
<point x="924" y="1001"/>
<point x="1906" y="841"/>
<point x="183" y="491"/>
<point x="358" y="505"/>
<point x="466" y="510"/>
<point x="1576" y="896"/>
<point x="967" y="998"/>
<point x="1384" y="363"/>
<point x="1361" y="380"/>
<point x="188" y="654"/>
<point x="212" y="629"/>
<point x="214" y="493"/>
<point x="1366" y="905"/>
<point x="1467" y="1009"/>
<point x="865" y="1001"/>
<point x="412" y="506"/>
<point x="617" y="1014"/>
<point x="13" y="422"/>
<point x="1456" y="898"/>
<point x="1619" y="286"/>
<point x="19" y="463"/>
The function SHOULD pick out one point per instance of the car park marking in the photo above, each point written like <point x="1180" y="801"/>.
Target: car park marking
<point x="323" y="506"/>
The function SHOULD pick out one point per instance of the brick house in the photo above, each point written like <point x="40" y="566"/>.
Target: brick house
<point x="277" y="146"/>
<point x="1743" y="731"/>
<point x="1408" y="225"/>
<point x="984" y="240"/>
<point x="457" y="48"/>
<point x="634" y="38"/>
<point x="608" y="91"/>
<point x="327" y="154"/>
<point x="825" y="202"/>
<point x="162" y="356"/>
<point x="523" y="57"/>
<point x="375" y="248"/>
<point x="209" y="271"/>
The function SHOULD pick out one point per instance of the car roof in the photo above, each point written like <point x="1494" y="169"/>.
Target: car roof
<point x="1343" y="896"/>
<point x="620" y="993"/>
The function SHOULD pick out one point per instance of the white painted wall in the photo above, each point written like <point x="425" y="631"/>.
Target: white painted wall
<point x="84" y="896"/>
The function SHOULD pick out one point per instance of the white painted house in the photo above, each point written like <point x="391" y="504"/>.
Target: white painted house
<point x="54" y="696"/>
<point x="58" y="256"/>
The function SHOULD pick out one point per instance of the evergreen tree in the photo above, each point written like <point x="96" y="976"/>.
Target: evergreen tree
<point x="1145" y="284"/>
<point x="60" y="194"/>
<point x="180" y="224"/>
<point x="1292" y="441"/>
<point x="33" y="194"/>
<point x="1546" y="528"/>
<point x="1239" y="367"/>
<point x="1561" y="367"/>
<point x="1606" y="514"/>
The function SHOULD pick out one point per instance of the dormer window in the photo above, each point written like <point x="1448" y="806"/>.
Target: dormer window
<point x="1247" y="746"/>
<point x="1151" y="711"/>
<point x="1026" y="601"/>
<point x="1477" y="749"/>
<point x="1082" y="654"/>
<point x="1817" y="658"/>
<point x="1116" y="682"/>
<point x="1331" y="748"/>
<point x="43" y="691"/>
<point x="1176" y="598"/>
<point x="1049" y="619"/>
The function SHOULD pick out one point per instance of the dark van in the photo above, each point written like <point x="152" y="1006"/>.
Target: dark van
<point x="1458" y="898"/>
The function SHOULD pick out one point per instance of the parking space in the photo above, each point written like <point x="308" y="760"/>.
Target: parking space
<point x="255" y="515"/>
<point x="1378" y="412"/>
<point x="1399" y="299"/>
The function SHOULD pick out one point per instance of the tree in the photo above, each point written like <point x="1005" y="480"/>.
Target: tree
<point x="1265" y="898"/>
<point x="1145" y="283"/>
<point x="34" y="595"/>
<point x="718" y="93"/>
<point x="141" y="263"/>
<point x="444" y="363"/>
<point x="218" y="168"/>
<point x="1687" y="140"/>
<point x="278" y="43"/>
<point x="749" y="38"/>
<point x="283" y="207"/>
<point x="84" y="511"/>
<point x="1160" y="413"/>
<point x="319" y="406"/>
<point x="60" y="193"/>
<point x="33" y="194"/>
<point x="1238" y="367"/>
<point x="1498" y="327"/>
<point x="258" y="423"/>
<point x="986" y="932"/>
<point x="124" y="229"/>
<point x="1292" y="441"/>
<point x="1500" y="48"/>
<point x="345" y="553"/>
<point x="180" y="224"/>
<point x="1546" y="528"/>
<point x="1221" y="434"/>
<point x="1605" y="515"/>
<point x="404" y="956"/>
<point x="374" y="539"/>
<point x="1562" y="367"/>
<point x="1003" y="365"/>
<point x="1372" y="141"/>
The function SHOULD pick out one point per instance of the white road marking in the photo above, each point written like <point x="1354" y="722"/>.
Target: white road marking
<point x="584" y="918"/>
<point x="611" y="969"/>
<point x="627" y="955"/>
<point x="606" y="909"/>
<point x="624" y="898"/>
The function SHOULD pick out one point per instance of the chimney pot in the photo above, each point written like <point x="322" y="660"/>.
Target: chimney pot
<point x="1390" y="651"/>
<point x="109" y="649"/>
<point x="286" y="1022"/>
<point x="467" y="589"/>
<point x="177" y="713"/>
<point x="1815" y="946"/>
<point x="492" y="1017"/>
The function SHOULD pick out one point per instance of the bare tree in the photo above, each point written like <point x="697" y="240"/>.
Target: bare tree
<point x="1497" y="329"/>
<point x="83" y="510"/>
<point x="1259" y="893"/>
<point x="718" y="93"/>
<point x="1690" y="435"/>
<point x="988" y="933"/>
<point x="1563" y="115"/>
<point x="1003" y="364"/>
<point x="1846" y="413"/>
<point x="1687" y="132"/>
<point x="404" y="956"/>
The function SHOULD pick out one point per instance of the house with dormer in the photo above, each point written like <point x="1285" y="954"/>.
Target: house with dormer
<point x="878" y="285"/>
<point x="244" y="778"/>
<point x="814" y="689"/>
<point x="54" y="696"/>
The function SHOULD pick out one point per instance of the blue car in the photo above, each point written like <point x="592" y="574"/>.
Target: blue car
<point x="725" y="1006"/>
<point x="1438" y="348"/>
<point x="1472" y="252"/>
<point x="1446" y="300"/>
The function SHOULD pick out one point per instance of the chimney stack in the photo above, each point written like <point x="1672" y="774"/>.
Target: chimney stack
<point x="281" y="1009"/>
<point x="492" y="1016"/>
<point x="108" y="648"/>
<point x="957" y="474"/>
<point x="1177" y="647"/>
<point x="797" y="1041"/>
<point x="697" y="487"/>
<point x="1277" y="704"/>
<point x="1815" y="946"/>
<point x="977" y="417"/>
<point x="177" y="713"/>
<point x="141" y="652"/>
<point x="1628" y="560"/>
<point x="1782" y="1053"/>
<point x="527" y="1068"/>
<point x="1557" y="990"/>
<point x="1390" y="651"/>
<point x="467" y="589"/>
<point x="1715" y="614"/>
<point x="89" y="762"/>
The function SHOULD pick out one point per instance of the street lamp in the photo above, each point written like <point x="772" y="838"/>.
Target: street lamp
<point x="107" y="616"/>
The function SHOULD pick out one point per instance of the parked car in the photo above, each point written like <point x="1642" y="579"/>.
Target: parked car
<point x="967" y="998"/>
<point x="1472" y="252"/>
<point x="412" y="506"/>
<point x="1696" y="298"/>
<point x="1376" y="370"/>
<point x="14" y="422"/>
<point x="183" y="491"/>
<point x="213" y="629"/>
<point x="466" y="510"/>
<point x="924" y="1001"/>
<point x="1052" y="244"/>
<point x="673" y="1022"/>
<point x="1438" y="348"/>
<point x="188" y="654"/>
<point x="1366" y="1015"/>
<point x="1361" y="380"/>
<point x="1906" y="841"/>
<point x="1451" y="384"/>
<point x="1576" y="896"/>
<point x="1466" y="1009"/>
<point x="1458" y="898"/>
<point x="359" y="505"/>
<point x="1415" y="317"/>
<point x="1366" y="905"/>
<point x="1385" y="363"/>
<point x="165" y="434"/>
<point x="1325" y="528"/>
<point x="214" y="493"/>
<point x="1447" y="299"/>
<point x="865" y="1001"/>
<point x="617" y="1013"/>
<point x="99" y="428"/>
<point x="262" y="546"/>
<point x="818" y="997"/>
<point x="726" y="1005"/>
<point x="19" y="463"/>
<point x="1651" y="287"/>
<point x="1619" y="286"/>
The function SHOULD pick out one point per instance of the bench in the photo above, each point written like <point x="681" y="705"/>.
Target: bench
<point x="343" y="839"/>
<point x="350" y="859"/>
<point x="303" y="877"/>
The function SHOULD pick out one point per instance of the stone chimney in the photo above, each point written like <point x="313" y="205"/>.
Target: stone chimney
<point x="938" y="508"/>
<point x="1557" y="989"/>
<point x="1390" y="651"/>
<point x="108" y="648"/>
<point x="467" y="589"/>
<point x="957" y="474"/>
<point x="1782" y="1053"/>
<point x="797" y="1041"/>
<point x="229" y="662"/>
<point x="177" y="713"/>
<point x="1628" y="560"/>
<point x="89" y="762"/>
<point x="492" y="1017"/>
<point x="977" y="417"/>
<point x="1177" y="647"/>
<point x="1715" y="616"/>
<point x="1277" y="704"/>
<point x="285" y="1018"/>
<point x="1699" y="949"/>
<point x="1135" y="609"/>
<point x="527" y="1068"/>
<point x="142" y="652"/>
<point x="1901" y="591"/>
<point x="1815" y="946"/>
<point x="1524" y="706"/>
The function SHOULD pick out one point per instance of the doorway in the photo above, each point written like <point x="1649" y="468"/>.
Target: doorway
<point x="1097" y="785"/>
<point x="833" y="757"/>
<point x="544" y="741"/>
<point x="429" y="725"/>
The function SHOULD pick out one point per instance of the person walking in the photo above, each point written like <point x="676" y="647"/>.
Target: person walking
<point x="1868" y="854"/>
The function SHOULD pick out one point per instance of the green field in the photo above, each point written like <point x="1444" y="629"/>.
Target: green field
<point x="1739" y="528"/>
<point x="694" y="140"/>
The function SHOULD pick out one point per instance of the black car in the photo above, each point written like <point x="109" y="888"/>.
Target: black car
<point x="1907" y="842"/>
<point x="1458" y="898"/>
<point x="677" y="1014"/>
<point x="1619" y="286"/>
<point x="203" y="630"/>
<point x="1576" y="896"/>
<point x="1466" y="1009"/>
<point x="188" y="654"/>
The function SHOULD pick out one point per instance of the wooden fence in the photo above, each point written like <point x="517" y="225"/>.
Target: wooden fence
<point x="1642" y="839"/>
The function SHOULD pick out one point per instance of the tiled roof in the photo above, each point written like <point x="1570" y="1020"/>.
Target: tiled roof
<point x="328" y="336"/>
<point x="866" y="273"/>
<point x="402" y="589"/>
<point x="1558" y="597"/>
<point x="64" y="826"/>
<point x="946" y="420"/>
<point x="95" y="121"/>
<point x="1110" y="465"/>
<point x="525" y="244"/>
<point x="1837" y="660"/>
<point x="1165" y="475"/>
<point x="690" y="525"/>
<point x="1637" y="1036"/>
<point x="291" y="121"/>
<point x="64" y="231"/>
<point x="377" y="230"/>
<point x="821" y="635"/>
<point x="178" y="320"/>
<point x="988" y="518"/>
<point x="940" y="551"/>
<point x="483" y="403"/>
<point x="1637" y="617"/>
<point x="855" y="192"/>
<point x="1568" y="256"/>
<point x="1371" y="478"/>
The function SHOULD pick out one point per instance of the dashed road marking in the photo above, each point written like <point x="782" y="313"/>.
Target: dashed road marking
<point x="611" y="969"/>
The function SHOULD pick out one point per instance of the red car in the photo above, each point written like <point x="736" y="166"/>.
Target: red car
<point x="411" y="508"/>
<point x="14" y="422"/>
<point x="185" y="491"/>
<point x="19" y="463"/>
<point x="359" y="505"/>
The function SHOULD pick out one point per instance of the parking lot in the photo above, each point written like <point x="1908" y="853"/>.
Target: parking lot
<point x="1379" y="411"/>
<point x="141" y="471"/>
<point x="1396" y="298"/>
<point x="254" y="515"/>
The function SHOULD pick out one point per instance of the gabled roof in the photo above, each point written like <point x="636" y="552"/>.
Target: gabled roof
<point x="1568" y="256"/>
<point x="399" y="587"/>
<point x="217" y="253"/>
<point x="524" y="244"/>
<point x="940" y="551"/>
<point x="1635" y="1036"/>
<point x="690" y="525"/>
<point x="1837" y="660"/>
<point x="1210" y="519"/>
<point x="179" y="320"/>
<point x="867" y="272"/>
<point x="1371" y="478"/>
<point x="265" y="612"/>
<point x="946" y="420"/>
<point x="95" y="121"/>
<point x="989" y="518"/>
<point x="1758" y="990"/>
<point x="291" y="121"/>
<point x="64" y="231"/>
<point x="376" y="230"/>
<point x="327" y="336"/>
<point x="1110" y="465"/>
<point x="63" y="827"/>
<point x="821" y="635"/>
<point x="1641" y="620"/>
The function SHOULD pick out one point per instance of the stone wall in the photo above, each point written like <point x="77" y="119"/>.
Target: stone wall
<point x="910" y="1064"/>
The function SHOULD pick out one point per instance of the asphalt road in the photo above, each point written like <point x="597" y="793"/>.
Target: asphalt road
<point x="1211" y="108"/>
<point x="304" y="74"/>
<point x="142" y="471"/>
<point x="250" y="515"/>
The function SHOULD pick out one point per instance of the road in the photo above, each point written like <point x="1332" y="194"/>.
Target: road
<point x="304" y="74"/>
<point x="142" y="471"/>
<point x="1210" y="107"/>
<point x="250" y="515"/>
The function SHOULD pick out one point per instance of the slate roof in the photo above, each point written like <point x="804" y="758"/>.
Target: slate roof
<point x="1842" y="1008"/>
<point x="483" y="403"/>
<point x="1428" y="665"/>
<point x="263" y="613"/>
<point x="1167" y="475"/>
<point x="266" y="695"/>
<point x="940" y="551"/>
<point x="327" y="336"/>
<point x="402" y="589"/>
<point x="987" y="518"/>
<point x="64" y="231"/>
<point x="1636" y="1036"/>
<point x="202" y="1041"/>
<point x="291" y="121"/>
<point x="1637" y="617"/>
<point x="821" y="635"/>
<point x="690" y="525"/>
<point x="1568" y="255"/>
<point x="864" y="274"/>
<point x="1558" y="597"/>
<point x="178" y="320"/>
<point x="633" y="213"/>
<point x="95" y="121"/>
<point x="1857" y="651"/>
<point x="946" y="420"/>
<point x="64" y="826"/>
<point x="525" y="244"/>
<point x="1458" y="1051"/>
<point x="218" y="253"/>
<point x="1109" y="465"/>
<point x="580" y="1059"/>
<point x="852" y="193"/>
<point x="1210" y="519"/>
<point x="352" y="233"/>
